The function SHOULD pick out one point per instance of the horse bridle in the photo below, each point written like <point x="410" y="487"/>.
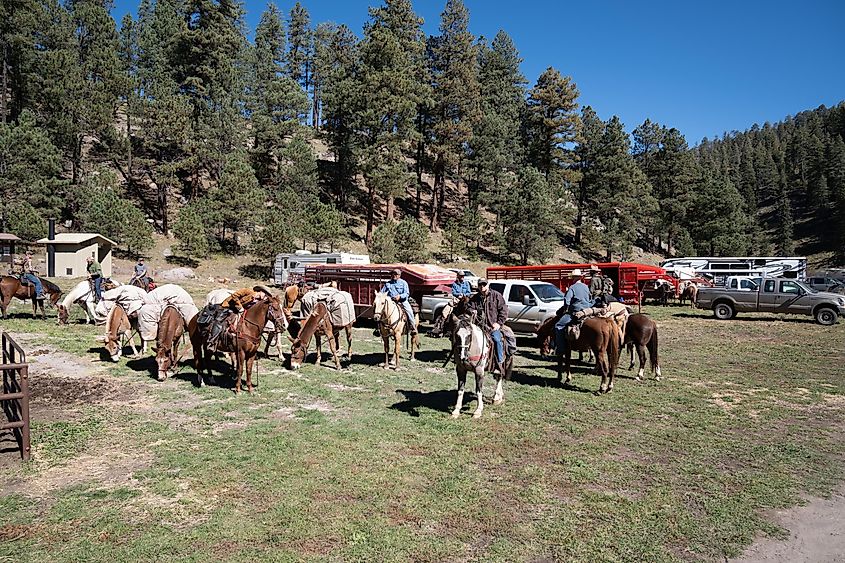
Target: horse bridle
<point x="391" y="325"/>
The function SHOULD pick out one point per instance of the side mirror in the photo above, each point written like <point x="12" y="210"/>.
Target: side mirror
<point x="528" y="301"/>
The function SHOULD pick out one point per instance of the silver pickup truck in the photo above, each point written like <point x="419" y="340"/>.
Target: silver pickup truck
<point x="773" y="295"/>
<point x="529" y="303"/>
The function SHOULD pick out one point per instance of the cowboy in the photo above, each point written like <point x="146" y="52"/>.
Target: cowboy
<point x="235" y="304"/>
<point x="492" y="312"/>
<point x="95" y="274"/>
<point x="576" y="298"/>
<point x="29" y="273"/>
<point x="397" y="289"/>
<point x="460" y="288"/>
<point x="597" y="282"/>
<point x="140" y="272"/>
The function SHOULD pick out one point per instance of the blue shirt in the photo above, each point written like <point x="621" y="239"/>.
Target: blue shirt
<point x="577" y="297"/>
<point x="396" y="287"/>
<point x="461" y="288"/>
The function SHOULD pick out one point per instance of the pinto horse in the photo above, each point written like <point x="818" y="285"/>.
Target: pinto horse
<point x="390" y="317"/>
<point x="601" y="336"/>
<point x="243" y="343"/>
<point x="641" y="332"/>
<point x="11" y="286"/>
<point x="319" y="324"/>
<point x="119" y="330"/>
<point x="83" y="295"/>
<point x="473" y="350"/>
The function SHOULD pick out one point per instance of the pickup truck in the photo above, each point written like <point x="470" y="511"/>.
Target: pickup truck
<point x="529" y="303"/>
<point x="774" y="295"/>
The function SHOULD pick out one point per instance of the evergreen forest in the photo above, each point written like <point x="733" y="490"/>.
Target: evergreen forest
<point x="182" y="121"/>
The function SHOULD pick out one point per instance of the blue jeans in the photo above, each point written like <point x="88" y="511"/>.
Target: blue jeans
<point x="98" y="287"/>
<point x="560" y="333"/>
<point x="410" y="311"/>
<point x="39" y="289"/>
<point x="496" y="335"/>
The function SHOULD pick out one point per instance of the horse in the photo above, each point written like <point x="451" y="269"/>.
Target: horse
<point x="144" y="282"/>
<point x="473" y="350"/>
<point x="546" y="331"/>
<point x="319" y="324"/>
<point x="641" y="331"/>
<point x="664" y="292"/>
<point x="83" y="295"/>
<point x="600" y="335"/>
<point x="119" y="329"/>
<point x="11" y="286"/>
<point x="446" y="322"/>
<point x="217" y="296"/>
<point x="390" y="317"/>
<point x="171" y="327"/>
<point x="689" y="291"/>
<point x="244" y="343"/>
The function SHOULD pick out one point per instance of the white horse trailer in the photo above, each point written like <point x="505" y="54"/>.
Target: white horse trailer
<point x="290" y="268"/>
<point x="718" y="269"/>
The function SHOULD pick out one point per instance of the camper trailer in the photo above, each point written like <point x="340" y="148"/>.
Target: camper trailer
<point x="290" y="268"/>
<point x="717" y="269"/>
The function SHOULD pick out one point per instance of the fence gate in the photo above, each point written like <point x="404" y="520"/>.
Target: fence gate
<point x="15" y="392"/>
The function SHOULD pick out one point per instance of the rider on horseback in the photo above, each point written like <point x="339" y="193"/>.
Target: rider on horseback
<point x="460" y="289"/>
<point x="30" y="275"/>
<point x="397" y="289"/>
<point x="577" y="298"/>
<point x="492" y="314"/>
<point x="95" y="274"/>
<point x="141" y="274"/>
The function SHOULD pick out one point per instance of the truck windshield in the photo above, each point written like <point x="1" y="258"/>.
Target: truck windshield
<point x="547" y="292"/>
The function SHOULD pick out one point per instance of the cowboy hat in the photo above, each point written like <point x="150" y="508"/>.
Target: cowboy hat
<point x="459" y="274"/>
<point x="263" y="288"/>
<point x="395" y="272"/>
<point x="481" y="282"/>
<point x="576" y="273"/>
<point x="594" y="268"/>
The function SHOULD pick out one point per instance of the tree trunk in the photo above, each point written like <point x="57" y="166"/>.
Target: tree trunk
<point x="418" y="167"/>
<point x="436" y="188"/>
<point x="390" y="211"/>
<point x="4" y="85"/>
<point x="579" y="218"/>
<point x="77" y="160"/>
<point x="162" y="203"/>
<point x="371" y="204"/>
<point x="441" y="199"/>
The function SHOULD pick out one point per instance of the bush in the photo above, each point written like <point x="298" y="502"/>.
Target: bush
<point x="106" y="210"/>
<point x="411" y="241"/>
<point x="191" y="232"/>
<point x="24" y="221"/>
<point x="383" y="246"/>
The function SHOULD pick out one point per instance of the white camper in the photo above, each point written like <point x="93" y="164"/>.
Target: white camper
<point x="289" y="268"/>
<point x="718" y="269"/>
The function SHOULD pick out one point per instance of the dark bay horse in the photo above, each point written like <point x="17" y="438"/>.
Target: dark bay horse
<point x="11" y="287"/>
<point x="243" y="344"/>
<point x="171" y="327"/>
<point x="599" y="335"/>
<point x="641" y="332"/>
<point x="317" y="324"/>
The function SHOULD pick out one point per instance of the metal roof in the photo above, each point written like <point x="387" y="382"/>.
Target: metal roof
<point x="75" y="238"/>
<point x="8" y="236"/>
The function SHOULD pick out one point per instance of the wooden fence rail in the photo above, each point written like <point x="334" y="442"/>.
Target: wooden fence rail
<point x="15" y="395"/>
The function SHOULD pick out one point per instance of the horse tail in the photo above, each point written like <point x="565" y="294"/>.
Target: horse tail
<point x="613" y="349"/>
<point x="652" y="349"/>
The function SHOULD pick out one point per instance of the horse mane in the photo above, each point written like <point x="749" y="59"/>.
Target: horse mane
<point x="50" y="285"/>
<point x="294" y="328"/>
<point x="318" y="313"/>
<point x="111" y="319"/>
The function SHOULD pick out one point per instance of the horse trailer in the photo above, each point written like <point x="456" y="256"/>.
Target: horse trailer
<point x="717" y="269"/>
<point x="290" y="268"/>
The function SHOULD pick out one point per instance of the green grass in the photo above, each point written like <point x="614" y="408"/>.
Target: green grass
<point x="749" y="416"/>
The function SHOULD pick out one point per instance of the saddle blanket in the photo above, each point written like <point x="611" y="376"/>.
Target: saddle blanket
<point x="339" y="303"/>
<point x="129" y="297"/>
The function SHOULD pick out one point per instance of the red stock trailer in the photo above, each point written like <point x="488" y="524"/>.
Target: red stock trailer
<point x="631" y="281"/>
<point x="363" y="281"/>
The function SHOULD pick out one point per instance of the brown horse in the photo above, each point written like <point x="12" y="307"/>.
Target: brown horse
<point x="689" y="292"/>
<point x="600" y="335"/>
<point x="243" y="343"/>
<point x="390" y="317"/>
<point x="641" y="331"/>
<point x="171" y="327"/>
<point x="119" y="329"/>
<point x="319" y="324"/>
<point x="10" y="286"/>
<point x="445" y="322"/>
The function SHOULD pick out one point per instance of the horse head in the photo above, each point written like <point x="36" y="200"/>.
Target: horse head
<point x="298" y="350"/>
<point x="379" y="306"/>
<point x="276" y="315"/>
<point x="63" y="314"/>
<point x="462" y="336"/>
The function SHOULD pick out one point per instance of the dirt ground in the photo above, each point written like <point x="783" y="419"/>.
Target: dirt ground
<point x="816" y="534"/>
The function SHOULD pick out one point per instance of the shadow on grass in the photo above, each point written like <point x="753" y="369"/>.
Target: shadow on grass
<point x="182" y="261"/>
<point x="260" y="272"/>
<point x="767" y="319"/>
<point x="441" y="401"/>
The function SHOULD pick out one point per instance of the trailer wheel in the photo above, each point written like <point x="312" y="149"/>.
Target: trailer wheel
<point x="826" y="316"/>
<point x="724" y="311"/>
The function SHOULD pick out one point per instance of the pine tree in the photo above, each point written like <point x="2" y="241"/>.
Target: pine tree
<point x="323" y="225"/>
<point x="300" y="52"/>
<point x="411" y="241"/>
<point x="104" y="208"/>
<point x="191" y="232"/>
<point x="456" y="99"/>
<point x="297" y="172"/>
<point x="553" y="126"/>
<point x="673" y="179"/>
<point x="530" y="216"/>
<point x="236" y="201"/>
<point x="720" y="221"/>
<point x="281" y="227"/>
<point x="19" y="20"/>
<point x="784" y="223"/>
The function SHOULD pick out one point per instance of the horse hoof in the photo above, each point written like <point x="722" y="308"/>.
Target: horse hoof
<point x="637" y="379"/>
<point x="476" y="414"/>
<point x="657" y="378"/>
<point x="498" y="401"/>
<point x="456" y="414"/>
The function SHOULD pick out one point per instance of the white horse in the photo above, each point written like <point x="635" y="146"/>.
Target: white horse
<point x="83" y="296"/>
<point x="472" y="351"/>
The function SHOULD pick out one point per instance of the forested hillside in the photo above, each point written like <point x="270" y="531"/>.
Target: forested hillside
<point x="175" y="122"/>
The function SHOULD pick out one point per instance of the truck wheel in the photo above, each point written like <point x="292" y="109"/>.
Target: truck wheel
<point x="826" y="316"/>
<point x="724" y="311"/>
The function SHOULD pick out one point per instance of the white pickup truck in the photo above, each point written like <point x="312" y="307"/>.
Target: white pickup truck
<point x="529" y="303"/>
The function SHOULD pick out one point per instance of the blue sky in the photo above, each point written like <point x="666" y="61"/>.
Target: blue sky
<point x="703" y="67"/>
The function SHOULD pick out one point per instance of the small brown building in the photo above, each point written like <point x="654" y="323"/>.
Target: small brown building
<point x="7" y="249"/>
<point x="72" y="250"/>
